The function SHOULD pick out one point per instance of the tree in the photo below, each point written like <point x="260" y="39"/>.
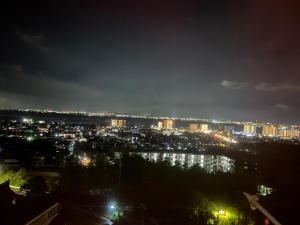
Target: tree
<point x="17" y="178"/>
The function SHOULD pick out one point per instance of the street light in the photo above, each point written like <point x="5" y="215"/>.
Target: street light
<point x="112" y="205"/>
<point x="115" y="210"/>
<point x="221" y="212"/>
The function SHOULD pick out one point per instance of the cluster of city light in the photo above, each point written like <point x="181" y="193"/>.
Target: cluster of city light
<point x="26" y="120"/>
<point x="210" y="163"/>
<point x="30" y="138"/>
<point x="264" y="190"/>
<point x="102" y="114"/>
<point x="85" y="160"/>
<point x="271" y="130"/>
<point x="225" y="138"/>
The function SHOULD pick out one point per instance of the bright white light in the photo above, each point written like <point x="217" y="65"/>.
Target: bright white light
<point x="221" y="212"/>
<point x="112" y="206"/>
<point x="29" y="138"/>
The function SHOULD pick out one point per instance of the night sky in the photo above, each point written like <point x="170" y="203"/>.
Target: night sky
<point x="236" y="60"/>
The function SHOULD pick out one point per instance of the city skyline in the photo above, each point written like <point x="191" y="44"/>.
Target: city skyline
<point x="149" y="112"/>
<point x="148" y="116"/>
<point x="232" y="60"/>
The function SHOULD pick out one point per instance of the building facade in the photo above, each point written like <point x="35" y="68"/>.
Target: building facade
<point x="118" y="123"/>
<point x="269" y="130"/>
<point x="250" y="128"/>
<point x="204" y="128"/>
<point x="168" y="124"/>
<point x="194" y="127"/>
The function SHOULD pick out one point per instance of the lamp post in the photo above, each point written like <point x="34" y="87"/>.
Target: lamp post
<point x="120" y="169"/>
<point x="114" y="208"/>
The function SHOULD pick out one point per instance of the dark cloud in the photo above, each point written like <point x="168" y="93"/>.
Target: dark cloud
<point x="34" y="41"/>
<point x="282" y="106"/>
<point x="277" y="87"/>
<point x="260" y="86"/>
<point x="233" y="84"/>
<point x="228" y="60"/>
<point x="42" y="90"/>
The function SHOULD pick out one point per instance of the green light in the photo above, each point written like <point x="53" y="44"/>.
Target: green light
<point x="264" y="190"/>
<point x="219" y="213"/>
<point x="224" y="215"/>
<point x="29" y="138"/>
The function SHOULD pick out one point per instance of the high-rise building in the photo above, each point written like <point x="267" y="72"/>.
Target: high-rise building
<point x="121" y="123"/>
<point x="283" y="132"/>
<point x="159" y="125"/>
<point x="114" y="122"/>
<point x="249" y="128"/>
<point x="293" y="132"/>
<point x="289" y="132"/>
<point x="269" y="130"/>
<point x="118" y="123"/>
<point x="194" y="127"/>
<point x="204" y="127"/>
<point x="169" y="124"/>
